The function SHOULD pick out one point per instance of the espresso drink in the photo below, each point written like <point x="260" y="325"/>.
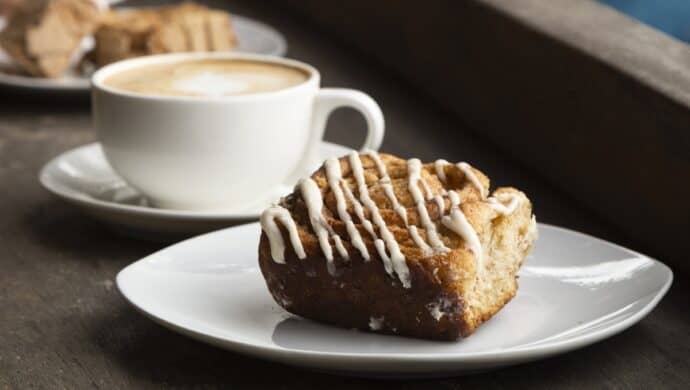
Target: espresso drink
<point x="212" y="77"/>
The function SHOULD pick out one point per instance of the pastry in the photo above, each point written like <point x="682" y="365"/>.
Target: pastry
<point x="181" y="28"/>
<point x="44" y="36"/>
<point x="374" y="242"/>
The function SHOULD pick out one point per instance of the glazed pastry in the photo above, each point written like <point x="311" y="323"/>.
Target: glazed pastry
<point x="374" y="242"/>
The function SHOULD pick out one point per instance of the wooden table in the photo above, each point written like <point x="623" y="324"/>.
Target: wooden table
<point x="64" y="325"/>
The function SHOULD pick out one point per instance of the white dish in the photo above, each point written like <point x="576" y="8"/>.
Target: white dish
<point x="253" y="37"/>
<point x="82" y="177"/>
<point x="574" y="290"/>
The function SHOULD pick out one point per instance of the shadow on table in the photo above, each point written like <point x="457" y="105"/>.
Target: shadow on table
<point x="62" y="228"/>
<point x="152" y="354"/>
<point x="12" y="99"/>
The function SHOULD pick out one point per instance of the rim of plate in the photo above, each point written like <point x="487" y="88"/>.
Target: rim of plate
<point x="44" y="177"/>
<point x="539" y="350"/>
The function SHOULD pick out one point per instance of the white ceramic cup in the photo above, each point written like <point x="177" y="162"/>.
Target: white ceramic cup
<point x="218" y="152"/>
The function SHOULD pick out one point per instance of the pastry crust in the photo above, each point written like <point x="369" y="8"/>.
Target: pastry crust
<point x="449" y="293"/>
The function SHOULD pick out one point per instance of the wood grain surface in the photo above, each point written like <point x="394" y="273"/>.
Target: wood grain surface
<point x="64" y="325"/>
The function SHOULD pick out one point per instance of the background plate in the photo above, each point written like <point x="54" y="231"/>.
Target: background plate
<point x="253" y="37"/>
<point x="83" y="177"/>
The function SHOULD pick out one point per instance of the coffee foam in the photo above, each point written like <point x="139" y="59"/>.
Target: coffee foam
<point x="207" y="78"/>
<point x="212" y="84"/>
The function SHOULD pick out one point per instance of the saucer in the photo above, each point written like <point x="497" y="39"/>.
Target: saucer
<point x="575" y="290"/>
<point x="83" y="177"/>
<point x="253" y="37"/>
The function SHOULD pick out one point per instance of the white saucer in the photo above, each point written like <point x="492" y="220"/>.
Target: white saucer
<point x="82" y="176"/>
<point x="253" y="37"/>
<point x="575" y="290"/>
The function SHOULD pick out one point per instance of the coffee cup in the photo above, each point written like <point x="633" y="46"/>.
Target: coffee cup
<point x="216" y="131"/>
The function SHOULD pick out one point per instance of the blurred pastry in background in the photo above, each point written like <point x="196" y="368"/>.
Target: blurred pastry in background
<point x="44" y="36"/>
<point x="182" y="28"/>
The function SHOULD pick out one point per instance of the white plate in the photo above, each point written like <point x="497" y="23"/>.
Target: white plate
<point x="253" y="37"/>
<point x="83" y="177"/>
<point x="574" y="290"/>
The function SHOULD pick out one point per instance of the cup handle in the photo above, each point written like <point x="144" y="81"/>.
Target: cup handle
<point x="327" y="100"/>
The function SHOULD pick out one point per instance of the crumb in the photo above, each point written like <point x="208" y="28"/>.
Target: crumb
<point x="376" y="323"/>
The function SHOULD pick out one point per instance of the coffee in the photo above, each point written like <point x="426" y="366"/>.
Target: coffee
<point x="208" y="77"/>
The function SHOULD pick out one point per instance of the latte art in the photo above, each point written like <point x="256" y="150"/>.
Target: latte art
<point x="207" y="78"/>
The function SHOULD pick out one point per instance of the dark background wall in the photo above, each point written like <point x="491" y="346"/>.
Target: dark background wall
<point x="592" y="100"/>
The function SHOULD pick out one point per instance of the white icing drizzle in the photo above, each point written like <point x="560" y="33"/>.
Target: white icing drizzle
<point x="457" y="222"/>
<point x="419" y="241"/>
<point x="397" y="258"/>
<point x="465" y="168"/>
<point x="386" y="183"/>
<point x="440" y="203"/>
<point x="427" y="190"/>
<point x="378" y="243"/>
<point x="359" y="211"/>
<point x="440" y="165"/>
<point x="381" y="248"/>
<point x="330" y="265"/>
<point x="339" y="244"/>
<point x="387" y="244"/>
<point x="497" y="201"/>
<point x="414" y="170"/>
<point x="335" y="177"/>
<point x="275" y="238"/>
<point x="469" y="173"/>
<point x="312" y="198"/>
